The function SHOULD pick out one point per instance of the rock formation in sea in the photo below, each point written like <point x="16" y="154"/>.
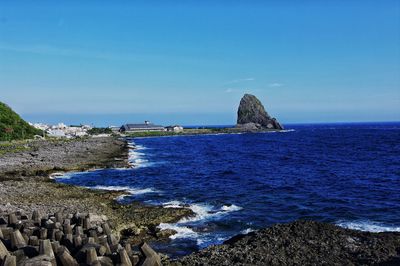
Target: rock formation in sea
<point x="252" y="115"/>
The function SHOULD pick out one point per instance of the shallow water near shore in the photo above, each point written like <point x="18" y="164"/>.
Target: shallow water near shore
<point x="347" y="174"/>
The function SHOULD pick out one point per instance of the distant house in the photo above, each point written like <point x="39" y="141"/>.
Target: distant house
<point x="57" y="133"/>
<point x="147" y="126"/>
<point x="175" y="128"/>
<point x="114" y="129"/>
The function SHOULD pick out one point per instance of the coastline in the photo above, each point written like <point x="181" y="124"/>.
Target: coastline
<point x="200" y="131"/>
<point x="301" y="243"/>
<point x="27" y="188"/>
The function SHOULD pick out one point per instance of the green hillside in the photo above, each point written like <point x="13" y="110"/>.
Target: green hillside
<point x="13" y="127"/>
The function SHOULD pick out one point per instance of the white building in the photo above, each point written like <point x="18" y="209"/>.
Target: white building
<point x="63" y="131"/>
<point x="175" y="128"/>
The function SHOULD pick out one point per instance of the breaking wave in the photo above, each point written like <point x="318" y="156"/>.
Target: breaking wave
<point x="136" y="158"/>
<point x="203" y="212"/>
<point x="130" y="190"/>
<point x="368" y="226"/>
<point x="246" y="231"/>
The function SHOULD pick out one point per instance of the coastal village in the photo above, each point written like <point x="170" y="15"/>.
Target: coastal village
<point x="61" y="130"/>
<point x="252" y="117"/>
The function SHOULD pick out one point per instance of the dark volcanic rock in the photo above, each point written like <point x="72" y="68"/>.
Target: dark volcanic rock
<point x="302" y="243"/>
<point x="252" y="115"/>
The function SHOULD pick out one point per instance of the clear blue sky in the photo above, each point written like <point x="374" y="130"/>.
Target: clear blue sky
<point x="190" y="62"/>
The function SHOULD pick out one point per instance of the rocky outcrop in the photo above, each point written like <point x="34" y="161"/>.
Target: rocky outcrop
<point x="43" y="157"/>
<point x="302" y="243"/>
<point x="252" y="115"/>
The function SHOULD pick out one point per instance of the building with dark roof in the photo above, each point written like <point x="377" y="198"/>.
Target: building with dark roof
<point x="147" y="126"/>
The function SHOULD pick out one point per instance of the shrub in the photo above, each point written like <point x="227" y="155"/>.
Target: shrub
<point x="13" y="127"/>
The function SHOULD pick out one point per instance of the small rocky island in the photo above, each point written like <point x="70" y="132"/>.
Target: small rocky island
<point x="252" y="115"/>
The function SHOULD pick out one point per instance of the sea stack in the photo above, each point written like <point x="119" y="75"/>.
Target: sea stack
<point x="252" y="115"/>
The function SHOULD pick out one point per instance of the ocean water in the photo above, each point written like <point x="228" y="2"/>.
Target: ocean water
<point x="346" y="174"/>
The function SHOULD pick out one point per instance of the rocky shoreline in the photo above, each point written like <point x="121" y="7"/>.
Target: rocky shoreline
<point x="40" y="158"/>
<point x="25" y="188"/>
<point x="89" y="227"/>
<point x="302" y="243"/>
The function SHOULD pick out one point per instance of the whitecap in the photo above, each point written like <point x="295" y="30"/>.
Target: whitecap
<point x="173" y="204"/>
<point x="111" y="188"/>
<point x="247" y="230"/>
<point x="181" y="231"/>
<point x="135" y="158"/>
<point x="231" y="208"/>
<point x="61" y="176"/>
<point x="140" y="147"/>
<point x="368" y="226"/>
<point x="202" y="212"/>
<point x="130" y="190"/>
<point x="68" y="175"/>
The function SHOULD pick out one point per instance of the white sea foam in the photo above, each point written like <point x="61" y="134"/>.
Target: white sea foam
<point x="182" y="231"/>
<point x="247" y="230"/>
<point x="130" y="190"/>
<point x="61" y="176"/>
<point x="286" y="130"/>
<point x="120" y="169"/>
<point x="140" y="147"/>
<point x="173" y="204"/>
<point x="68" y="175"/>
<point x="231" y="208"/>
<point x="368" y="226"/>
<point x="202" y="212"/>
<point x="136" y="158"/>
<point x="206" y="239"/>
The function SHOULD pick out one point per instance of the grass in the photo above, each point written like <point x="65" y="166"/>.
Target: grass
<point x="14" y="146"/>
<point x="26" y="145"/>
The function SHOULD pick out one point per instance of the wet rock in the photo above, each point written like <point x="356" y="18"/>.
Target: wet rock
<point x="302" y="243"/>
<point x="166" y="233"/>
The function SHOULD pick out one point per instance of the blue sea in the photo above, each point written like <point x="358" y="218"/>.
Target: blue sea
<point x="345" y="174"/>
